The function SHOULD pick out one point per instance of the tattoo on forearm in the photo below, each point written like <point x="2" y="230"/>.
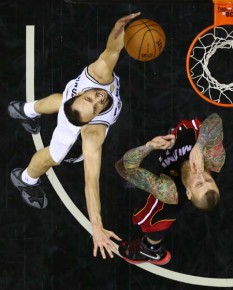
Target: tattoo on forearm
<point x="134" y="157"/>
<point x="163" y="187"/>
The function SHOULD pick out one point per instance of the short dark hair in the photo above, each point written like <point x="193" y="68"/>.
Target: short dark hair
<point x="73" y="115"/>
<point x="208" y="202"/>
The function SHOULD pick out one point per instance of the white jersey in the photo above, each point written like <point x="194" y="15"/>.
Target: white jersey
<point x="65" y="134"/>
<point x="85" y="82"/>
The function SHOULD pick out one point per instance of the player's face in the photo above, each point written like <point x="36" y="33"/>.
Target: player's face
<point x="91" y="103"/>
<point x="199" y="184"/>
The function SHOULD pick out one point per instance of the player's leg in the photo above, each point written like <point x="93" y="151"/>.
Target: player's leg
<point x="29" y="113"/>
<point x="155" y="219"/>
<point x="48" y="105"/>
<point x="28" y="182"/>
<point x="40" y="163"/>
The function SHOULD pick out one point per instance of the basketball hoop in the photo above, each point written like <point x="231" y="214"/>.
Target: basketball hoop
<point x="207" y="54"/>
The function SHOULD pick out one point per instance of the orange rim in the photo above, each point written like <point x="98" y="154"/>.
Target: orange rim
<point x="188" y="69"/>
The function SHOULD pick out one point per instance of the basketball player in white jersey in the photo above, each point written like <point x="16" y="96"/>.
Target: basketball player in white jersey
<point x="88" y="106"/>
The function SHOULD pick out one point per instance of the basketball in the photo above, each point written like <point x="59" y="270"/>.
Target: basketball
<point x="144" y="39"/>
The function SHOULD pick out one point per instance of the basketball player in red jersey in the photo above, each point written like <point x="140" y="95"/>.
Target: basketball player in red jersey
<point x="183" y="165"/>
<point x="88" y="106"/>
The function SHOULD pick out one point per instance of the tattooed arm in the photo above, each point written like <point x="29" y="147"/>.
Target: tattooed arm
<point x="163" y="187"/>
<point x="209" y="151"/>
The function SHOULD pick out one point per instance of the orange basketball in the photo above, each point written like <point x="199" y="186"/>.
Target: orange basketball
<point x="144" y="39"/>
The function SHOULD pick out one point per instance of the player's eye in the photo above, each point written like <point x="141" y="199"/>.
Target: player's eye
<point x="199" y="184"/>
<point x="88" y="99"/>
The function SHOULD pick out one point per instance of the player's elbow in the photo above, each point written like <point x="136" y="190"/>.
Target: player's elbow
<point x="119" y="165"/>
<point x="120" y="168"/>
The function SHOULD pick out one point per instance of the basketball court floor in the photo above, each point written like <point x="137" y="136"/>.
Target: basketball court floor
<point x="52" y="249"/>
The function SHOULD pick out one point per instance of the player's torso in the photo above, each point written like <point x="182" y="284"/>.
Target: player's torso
<point x="108" y="117"/>
<point x="170" y="161"/>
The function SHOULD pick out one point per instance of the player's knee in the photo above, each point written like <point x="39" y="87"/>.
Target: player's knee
<point x="52" y="161"/>
<point x="48" y="160"/>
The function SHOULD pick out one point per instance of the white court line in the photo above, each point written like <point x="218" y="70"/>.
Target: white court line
<point x="77" y="214"/>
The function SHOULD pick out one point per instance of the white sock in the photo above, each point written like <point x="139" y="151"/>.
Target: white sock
<point x="29" y="110"/>
<point x="28" y="179"/>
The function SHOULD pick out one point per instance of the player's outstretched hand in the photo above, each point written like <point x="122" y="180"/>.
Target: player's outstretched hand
<point x="122" y="22"/>
<point x="102" y="241"/>
<point x="162" y="142"/>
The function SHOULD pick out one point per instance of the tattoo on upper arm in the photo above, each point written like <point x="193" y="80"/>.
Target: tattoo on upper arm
<point x="211" y="131"/>
<point x="161" y="187"/>
<point x="210" y="138"/>
<point x="134" y="157"/>
<point x="214" y="157"/>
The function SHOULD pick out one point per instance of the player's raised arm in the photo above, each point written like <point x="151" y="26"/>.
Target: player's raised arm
<point x="103" y="67"/>
<point x="162" y="187"/>
<point x="208" y="150"/>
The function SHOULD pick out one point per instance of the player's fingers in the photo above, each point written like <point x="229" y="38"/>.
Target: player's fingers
<point x="110" y="248"/>
<point x="165" y="145"/>
<point x="171" y="145"/>
<point x="133" y="15"/>
<point x="172" y="142"/>
<point x="200" y="167"/>
<point x="113" y="235"/>
<point x="124" y="20"/>
<point x="95" y="250"/>
<point x="130" y="16"/>
<point x="192" y="166"/>
<point x="102" y="251"/>
<point x="169" y="137"/>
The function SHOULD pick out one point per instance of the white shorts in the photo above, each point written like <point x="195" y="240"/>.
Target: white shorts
<point x="64" y="137"/>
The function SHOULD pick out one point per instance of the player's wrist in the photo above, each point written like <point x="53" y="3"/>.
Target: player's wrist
<point x="150" y="147"/>
<point x="96" y="225"/>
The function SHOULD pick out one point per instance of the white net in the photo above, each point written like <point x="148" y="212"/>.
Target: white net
<point x="211" y="64"/>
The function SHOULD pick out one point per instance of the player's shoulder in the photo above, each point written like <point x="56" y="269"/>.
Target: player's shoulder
<point x="93" y="129"/>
